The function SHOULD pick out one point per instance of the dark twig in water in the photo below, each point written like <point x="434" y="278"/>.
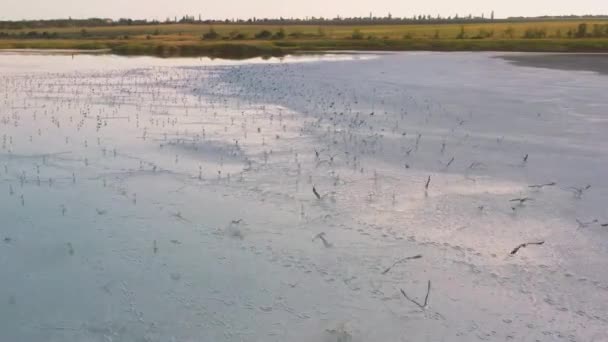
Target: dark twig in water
<point x="521" y="200"/>
<point x="178" y="215"/>
<point x="321" y="236"/>
<point x="428" y="181"/>
<point x="449" y="163"/>
<point x="523" y="245"/>
<point x="582" y="224"/>
<point x="426" y="298"/>
<point x="314" y="191"/>
<point x="476" y="165"/>
<point x="578" y="192"/>
<point x="540" y="186"/>
<point x="400" y="261"/>
<point x="57" y="328"/>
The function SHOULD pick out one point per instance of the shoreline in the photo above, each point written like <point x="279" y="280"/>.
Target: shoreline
<point x="594" y="62"/>
<point x="39" y="51"/>
<point x="575" y="61"/>
<point x="280" y="48"/>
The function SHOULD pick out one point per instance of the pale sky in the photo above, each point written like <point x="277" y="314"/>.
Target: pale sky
<point x="160" y="9"/>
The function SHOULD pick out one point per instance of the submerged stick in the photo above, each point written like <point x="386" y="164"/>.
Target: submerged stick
<point x="523" y="245"/>
<point x="582" y="224"/>
<point x="321" y="236"/>
<point x="578" y="192"/>
<point x="428" y="181"/>
<point x="400" y="261"/>
<point x="314" y="191"/>
<point x="521" y="200"/>
<point x="449" y="163"/>
<point x="178" y="215"/>
<point x="426" y="298"/>
<point x="540" y="186"/>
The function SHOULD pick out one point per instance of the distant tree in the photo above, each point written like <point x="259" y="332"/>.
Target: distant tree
<point x="462" y="34"/>
<point x="211" y="34"/>
<point x="558" y="33"/>
<point x="581" y="32"/>
<point x="320" y="31"/>
<point x="596" y="31"/>
<point x="357" y="34"/>
<point x="264" y="34"/>
<point x="535" y="33"/>
<point x="280" y="34"/>
<point x="483" y="33"/>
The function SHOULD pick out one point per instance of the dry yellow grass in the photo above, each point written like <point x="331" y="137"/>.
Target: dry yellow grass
<point x="185" y="39"/>
<point x="553" y="28"/>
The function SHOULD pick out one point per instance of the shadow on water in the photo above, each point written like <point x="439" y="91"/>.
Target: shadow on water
<point x="224" y="51"/>
<point x="577" y="61"/>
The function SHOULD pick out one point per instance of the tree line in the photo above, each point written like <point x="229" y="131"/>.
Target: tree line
<point x="368" y="20"/>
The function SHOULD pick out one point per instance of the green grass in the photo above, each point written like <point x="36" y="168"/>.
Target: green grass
<point x="185" y="39"/>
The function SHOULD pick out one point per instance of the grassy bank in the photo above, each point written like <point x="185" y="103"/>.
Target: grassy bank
<point x="243" y="41"/>
<point x="247" y="49"/>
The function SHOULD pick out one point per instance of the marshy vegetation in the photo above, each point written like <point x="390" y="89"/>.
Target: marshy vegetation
<point x="254" y="39"/>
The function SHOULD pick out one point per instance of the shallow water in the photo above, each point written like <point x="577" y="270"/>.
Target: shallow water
<point x="148" y="199"/>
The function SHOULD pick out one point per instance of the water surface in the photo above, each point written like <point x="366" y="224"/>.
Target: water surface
<point x="148" y="199"/>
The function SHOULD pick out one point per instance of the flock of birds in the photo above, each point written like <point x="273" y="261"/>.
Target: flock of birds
<point x="58" y="117"/>
<point x="235" y="124"/>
